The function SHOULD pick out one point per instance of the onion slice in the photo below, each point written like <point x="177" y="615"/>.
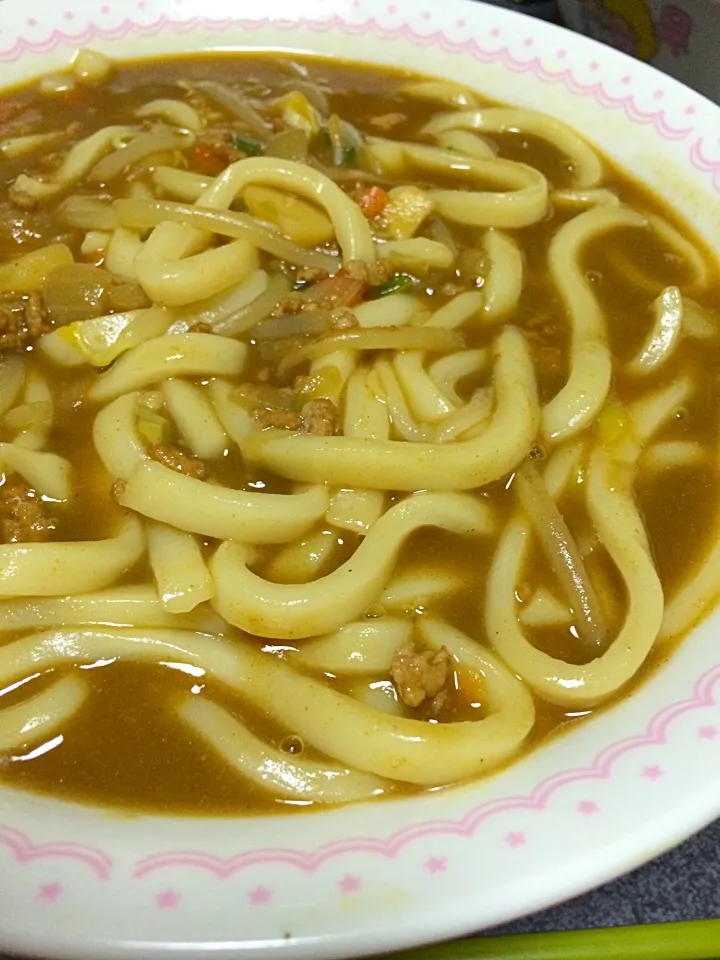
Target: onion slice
<point x="563" y="555"/>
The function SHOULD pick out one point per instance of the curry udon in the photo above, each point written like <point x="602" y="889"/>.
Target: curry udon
<point x="357" y="434"/>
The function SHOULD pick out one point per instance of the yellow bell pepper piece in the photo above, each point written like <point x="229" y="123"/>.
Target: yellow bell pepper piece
<point x="297" y="111"/>
<point x="29" y="272"/>
<point x="297" y="219"/>
<point x="404" y="215"/>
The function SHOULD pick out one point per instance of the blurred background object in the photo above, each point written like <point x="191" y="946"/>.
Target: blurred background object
<point x="547" y="9"/>
<point x="680" y="37"/>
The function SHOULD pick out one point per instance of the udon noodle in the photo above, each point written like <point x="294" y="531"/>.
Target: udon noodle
<point x="356" y="434"/>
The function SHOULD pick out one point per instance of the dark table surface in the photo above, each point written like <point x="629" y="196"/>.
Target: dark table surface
<point x="682" y="885"/>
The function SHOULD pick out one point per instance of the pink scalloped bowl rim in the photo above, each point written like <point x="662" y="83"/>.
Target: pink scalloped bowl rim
<point x="675" y="125"/>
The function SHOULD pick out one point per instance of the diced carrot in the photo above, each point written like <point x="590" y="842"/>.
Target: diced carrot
<point x="338" y="291"/>
<point x="76" y="96"/>
<point x="207" y="161"/>
<point x="373" y="201"/>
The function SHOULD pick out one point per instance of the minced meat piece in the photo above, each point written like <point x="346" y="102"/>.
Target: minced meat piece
<point x="320" y="417"/>
<point x="23" y="515"/>
<point x="177" y="460"/>
<point x="279" y="419"/>
<point x="289" y="307"/>
<point x="201" y="326"/>
<point x="343" y="318"/>
<point x="35" y="315"/>
<point x="221" y="145"/>
<point x="372" y="273"/>
<point x="419" y="675"/>
<point x="311" y="274"/>
<point x="20" y="198"/>
<point x="118" y="490"/>
<point x="10" y="109"/>
<point x="388" y="121"/>
<point x="22" y="322"/>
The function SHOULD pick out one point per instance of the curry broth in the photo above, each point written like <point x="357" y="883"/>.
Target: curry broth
<point x="125" y="747"/>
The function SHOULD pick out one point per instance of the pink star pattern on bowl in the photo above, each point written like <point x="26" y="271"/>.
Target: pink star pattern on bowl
<point x="515" y="839"/>
<point x="588" y="808"/>
<point x="50" y="892"/>
<point x="435" y="865"/>
<point x="350" y="884"/>
<point x="653" y="773"/>
<point x="260" y="897"/>
<point x="708" y="733"/>
<point x="168" y="900"/>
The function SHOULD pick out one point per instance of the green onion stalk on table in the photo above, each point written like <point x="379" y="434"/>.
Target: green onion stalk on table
<point x="698" y="940"/>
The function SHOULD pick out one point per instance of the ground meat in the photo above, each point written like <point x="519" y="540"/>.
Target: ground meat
<point x="524" y="592"/>
<point x="279" y="419"/>
<point x="387" y="121"/>
<point x="372" y="273"/>
<point x="22" y="322"/>
<point x="9" y="110"/>
<point x="343" y="318"/>
<point x="419" y="675"/>
<point x="221" y="145"/>
<point x="19" y="122"/>
<point x="35" y="316"/>
<point x="208" y="113"/>
<point x="177" y="460"/>
<point x="117" y="490"/>
<point x="23" y="515"/>
<point x="21" y="199"/>
<point x="201" y="327"/>
<point x="288" y="307"/>
<point x="311" y="274"/>
<point x="320" y="417"/>
<point x="49" y="162"/>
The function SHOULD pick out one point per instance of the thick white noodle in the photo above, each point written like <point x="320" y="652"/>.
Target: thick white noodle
<point x="49" y="474"/>
<point x="663" y="339"/>
<point x="357" y="736"/>
<point x="289" y="776"/>
<point x="395" y="465"/>
<point x="586" y="164"/>
<point x="211" y="510"/>
<point x="186" y="354"/>
<point x="522" y="202"/>
<point x="60" y="569"/>
<point x="581" y="399"/>
<point x="292" y="611"/>
<point x="195" y="418"/>
<point x="180" y="573"/>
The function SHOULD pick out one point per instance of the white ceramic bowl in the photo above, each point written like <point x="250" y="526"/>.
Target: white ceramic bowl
<point x="78" y="883"/>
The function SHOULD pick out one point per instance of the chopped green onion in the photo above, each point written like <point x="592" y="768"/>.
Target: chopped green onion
<point x="398" y="283"/>
<point x="696" y="940"/>
<point x="253" y="148"/>
<point x="349" y="150"/>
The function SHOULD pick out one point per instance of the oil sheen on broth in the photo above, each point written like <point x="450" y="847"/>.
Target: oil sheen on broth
<point x="276" y="618"/>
